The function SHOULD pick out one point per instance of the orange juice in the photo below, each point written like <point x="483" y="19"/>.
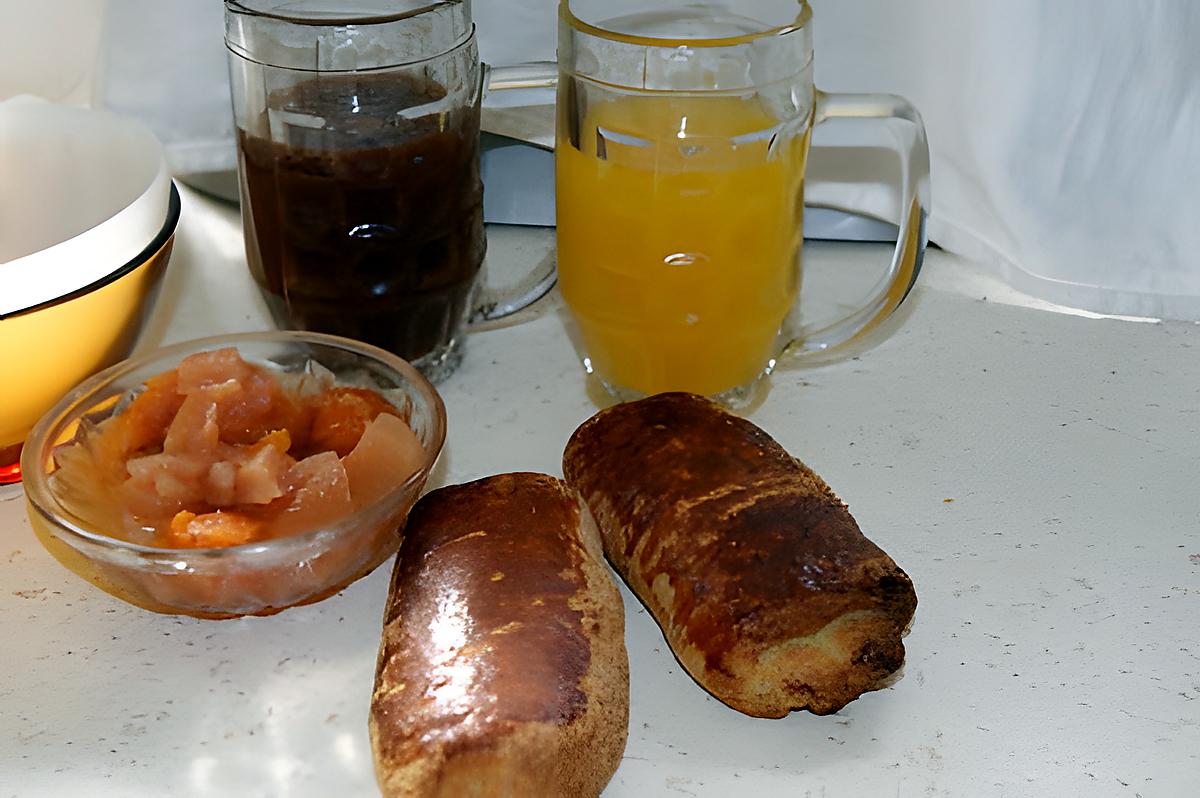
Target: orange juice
<point x="679" y="234"/>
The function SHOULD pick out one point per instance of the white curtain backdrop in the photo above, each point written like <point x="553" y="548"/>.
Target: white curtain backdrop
<point x="1065" y="134"/>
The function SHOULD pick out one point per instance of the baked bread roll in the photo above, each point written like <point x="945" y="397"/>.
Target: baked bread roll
<point x="764" y="587"/>
<point x="502" y="670"/>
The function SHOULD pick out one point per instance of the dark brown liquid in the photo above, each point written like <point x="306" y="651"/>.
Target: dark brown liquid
<point x="371" y="226"/>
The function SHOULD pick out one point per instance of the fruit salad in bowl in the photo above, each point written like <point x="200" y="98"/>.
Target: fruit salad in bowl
<point x="234" y="475"/>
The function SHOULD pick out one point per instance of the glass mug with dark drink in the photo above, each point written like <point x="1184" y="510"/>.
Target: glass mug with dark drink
<point x="358" y="145"/>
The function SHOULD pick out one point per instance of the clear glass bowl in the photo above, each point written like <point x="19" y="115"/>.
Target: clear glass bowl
<point x="256" y="578"/>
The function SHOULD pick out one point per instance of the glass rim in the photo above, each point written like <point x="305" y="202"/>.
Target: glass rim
<point x="42" y="499"/>
<point x="245" y="7"/>
<point x="801" y="22"/>
<point x="467" y="40"/>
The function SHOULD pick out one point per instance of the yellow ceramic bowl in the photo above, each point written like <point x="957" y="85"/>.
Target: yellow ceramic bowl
<point x="50" y="348"/>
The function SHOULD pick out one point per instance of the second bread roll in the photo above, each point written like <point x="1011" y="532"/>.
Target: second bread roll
<point x="763" y="585"/>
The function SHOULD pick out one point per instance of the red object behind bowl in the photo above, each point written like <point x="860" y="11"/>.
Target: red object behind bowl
<point x="10" y="465"/>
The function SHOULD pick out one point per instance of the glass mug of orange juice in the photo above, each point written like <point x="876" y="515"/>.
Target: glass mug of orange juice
<point x="682" y="139"/>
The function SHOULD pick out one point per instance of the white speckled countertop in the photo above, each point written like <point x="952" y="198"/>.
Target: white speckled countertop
<point x="1035" y="473"/>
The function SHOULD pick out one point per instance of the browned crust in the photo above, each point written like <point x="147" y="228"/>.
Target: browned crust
<point x="762" y="582"/>
<point x="502" y="669"/>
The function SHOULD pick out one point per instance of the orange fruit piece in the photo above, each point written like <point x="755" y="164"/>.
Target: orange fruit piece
<point x="342" y="414"/>
<point x="142" y="426"/>
<point x="212" y="530"/>
<point x="179" y="523"/>
<point x="280" y="439"/>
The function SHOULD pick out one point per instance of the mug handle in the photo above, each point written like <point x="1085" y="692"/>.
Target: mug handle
<point x="812" y="345"/>
<point x="493" y="303"/>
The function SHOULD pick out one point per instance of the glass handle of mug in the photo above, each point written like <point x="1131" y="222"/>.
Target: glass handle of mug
<point x="809" y="345"/>
<point x="497" y="303"/>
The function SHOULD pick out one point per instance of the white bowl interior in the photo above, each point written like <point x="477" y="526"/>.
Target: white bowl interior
<point x="82" y="193"/>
